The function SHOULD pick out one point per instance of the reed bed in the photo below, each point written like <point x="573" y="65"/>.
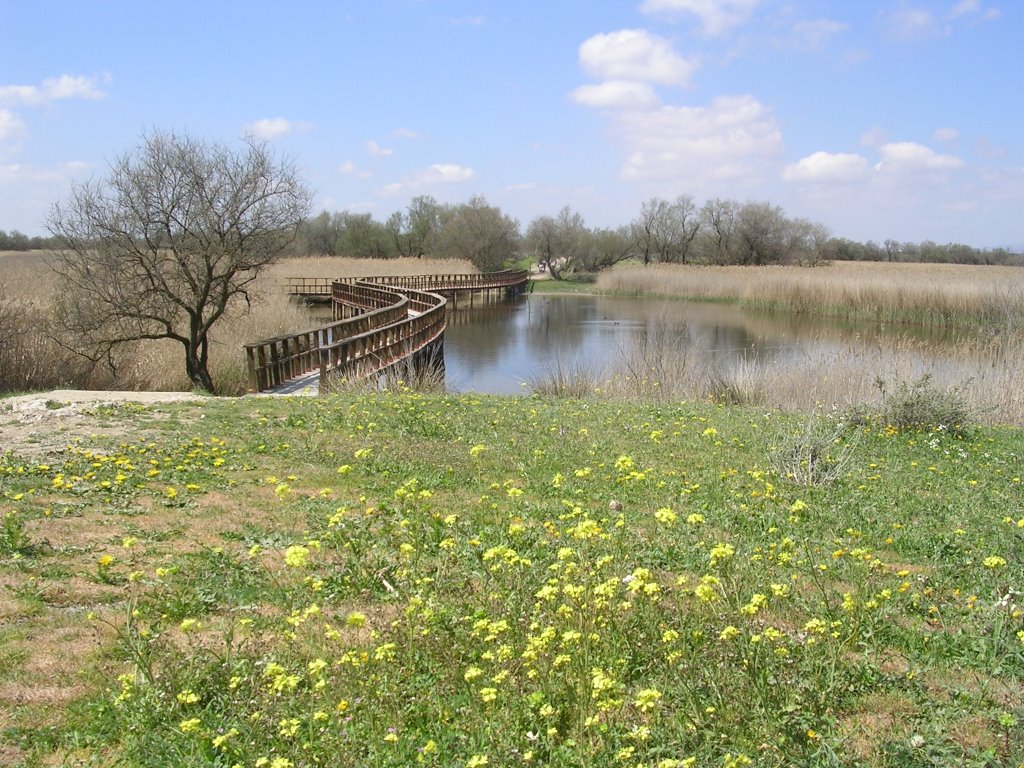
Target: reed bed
<point x="835" y="377"/>
<point x="933" y="294"/>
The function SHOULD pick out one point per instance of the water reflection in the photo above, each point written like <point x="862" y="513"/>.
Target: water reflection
<point x="498" y="347"/>
<point x="495" y="349"/>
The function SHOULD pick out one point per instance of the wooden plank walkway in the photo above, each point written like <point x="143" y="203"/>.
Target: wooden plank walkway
<point x="396" y="318"/>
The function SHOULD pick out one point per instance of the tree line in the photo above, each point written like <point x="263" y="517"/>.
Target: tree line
<point x="724" y="232"/>
<point x="16" y="241"/>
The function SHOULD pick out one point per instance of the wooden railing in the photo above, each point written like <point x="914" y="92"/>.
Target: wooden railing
<point x="362" y="356"/>
<point x="320" y="286"/>
<point x="274" y="361"/>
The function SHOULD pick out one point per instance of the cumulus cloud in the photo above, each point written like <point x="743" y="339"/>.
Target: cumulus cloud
<point x="822" y="167"/>
<point x="270" y="128"/>
<point x="716" y="16"/>
<point x="636" y="55"/>
<point x="439" y="173"/>
<point x="52" y="89"/>
<point x="616" y="94"/>
<point x="906" y="157"/>
<point x="729" y="139"/>
<point x="373" y="149"/>
<point x="946" y="134"/>
<point x="404" y="133"/>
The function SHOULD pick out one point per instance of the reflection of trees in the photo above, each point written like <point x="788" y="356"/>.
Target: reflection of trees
<point x="555" y="324"/>
<point x="481" y="336"/>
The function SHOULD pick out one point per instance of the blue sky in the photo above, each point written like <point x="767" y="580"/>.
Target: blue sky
<point x="878" y="118"/>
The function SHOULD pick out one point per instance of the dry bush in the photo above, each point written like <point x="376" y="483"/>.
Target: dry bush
<point x="937" y="294"/>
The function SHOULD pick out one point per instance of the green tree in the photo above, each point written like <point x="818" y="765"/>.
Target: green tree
<point x="480" y="233"/>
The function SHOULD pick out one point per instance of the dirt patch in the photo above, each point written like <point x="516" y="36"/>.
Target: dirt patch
<point x="41" y="424"/>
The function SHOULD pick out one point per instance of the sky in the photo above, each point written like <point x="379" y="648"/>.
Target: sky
<point x="880" y="119"/>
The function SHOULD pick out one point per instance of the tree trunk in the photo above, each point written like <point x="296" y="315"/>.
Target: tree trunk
<point x="197" y="369"/>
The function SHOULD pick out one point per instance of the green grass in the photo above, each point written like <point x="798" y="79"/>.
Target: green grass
<point x="404" y="579"/>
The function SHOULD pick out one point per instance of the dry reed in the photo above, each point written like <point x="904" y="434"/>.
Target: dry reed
<point x="934" y="294"/>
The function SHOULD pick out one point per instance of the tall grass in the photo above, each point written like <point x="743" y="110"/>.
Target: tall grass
<point x="934" y="294"/>
<point x="987" y="374"/>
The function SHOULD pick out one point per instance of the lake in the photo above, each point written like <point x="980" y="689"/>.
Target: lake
<point x="499" y="348"/>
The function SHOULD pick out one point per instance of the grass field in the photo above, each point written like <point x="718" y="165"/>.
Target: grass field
<point x="394" y="579"/>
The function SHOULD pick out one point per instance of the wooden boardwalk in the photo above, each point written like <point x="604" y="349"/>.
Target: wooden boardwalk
<point x="378" y="323"/>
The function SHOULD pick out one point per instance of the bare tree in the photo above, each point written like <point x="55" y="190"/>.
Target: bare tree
<point x="169" y="242"/>
<point x="647" y="228"/>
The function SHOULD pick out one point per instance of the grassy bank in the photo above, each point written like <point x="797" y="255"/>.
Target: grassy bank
<point x="932" y="294"/>
<point x="397" y="579"/>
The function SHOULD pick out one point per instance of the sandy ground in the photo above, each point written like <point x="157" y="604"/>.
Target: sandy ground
<point x="45" y="422"/>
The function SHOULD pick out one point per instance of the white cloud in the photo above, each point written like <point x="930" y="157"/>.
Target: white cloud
<point x="716" y="16"/>
<point x="11" y="126"/>
<point x="823" y="167"/>
<point x="729" y="139"/>
<point x="906" y="157"/>
<point x="616" y="94"/>
<point x="52" y="89"/>
<point x="270" y="128"/>
<point x="439" y="173"/>
<point x="469" y="21"/>
<point x="633" y="54"/>
<point x="946" y="134"/>
<point x="812" y="35"/>
<point x="373" y="149"/>
<point x="404" y="133"/>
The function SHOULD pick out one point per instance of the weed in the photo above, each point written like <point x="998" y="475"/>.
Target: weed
<point x="818" y="454"/>
<point x="14" y="539"/>
<point x="921" y="405"/>
<point x="567" y="380"/>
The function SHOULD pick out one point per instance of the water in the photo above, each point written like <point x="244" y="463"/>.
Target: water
<point x="499" y="348"/>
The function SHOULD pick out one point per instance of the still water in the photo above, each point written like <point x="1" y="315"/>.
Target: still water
<point x="499" y="348"/>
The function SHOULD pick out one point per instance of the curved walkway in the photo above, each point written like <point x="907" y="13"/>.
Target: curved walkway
<point x="378" y="323"/>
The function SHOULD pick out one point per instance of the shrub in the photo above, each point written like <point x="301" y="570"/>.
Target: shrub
<point x="921" y="405"/>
